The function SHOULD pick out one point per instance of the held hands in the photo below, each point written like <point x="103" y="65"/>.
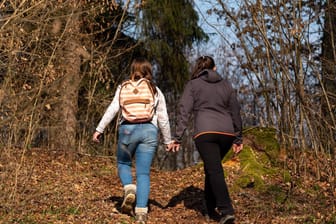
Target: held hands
<point x="173" y="146"/>
<point x="237" y="148"/>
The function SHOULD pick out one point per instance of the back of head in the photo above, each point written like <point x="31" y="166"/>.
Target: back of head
<point x="141" y="68"/>
<point x="203" y="62"/>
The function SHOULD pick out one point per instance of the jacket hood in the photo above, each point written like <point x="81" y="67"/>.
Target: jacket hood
<point x="209" y="75"/>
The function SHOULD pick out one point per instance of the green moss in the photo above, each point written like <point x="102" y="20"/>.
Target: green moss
<point x="258" y="160"/>
<point x="286" y="176"/>
<point x="254" y="167"/>
<point x="62" y="210"/>
<point x="278" y="193"/>
<point x="25" y="220"/>
<point x="264" y="139"/>
<point x="73" y="211"/>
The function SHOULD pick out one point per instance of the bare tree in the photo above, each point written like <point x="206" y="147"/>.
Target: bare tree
<point x="55" y="57"/>
<point x="328" y="84"/>
<point x="278" y="46"/>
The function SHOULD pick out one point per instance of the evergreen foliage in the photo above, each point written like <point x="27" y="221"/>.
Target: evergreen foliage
<point x="170" y="28"/>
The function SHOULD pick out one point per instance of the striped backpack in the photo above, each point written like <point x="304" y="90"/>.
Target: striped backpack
<point x="136" y="100"/>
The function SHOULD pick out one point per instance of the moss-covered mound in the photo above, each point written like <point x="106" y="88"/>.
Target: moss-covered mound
<point x="259" y="159"/>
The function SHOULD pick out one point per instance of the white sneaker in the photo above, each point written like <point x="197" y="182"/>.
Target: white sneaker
<point x="129" y="199"/>
<point x="141" y="218"/>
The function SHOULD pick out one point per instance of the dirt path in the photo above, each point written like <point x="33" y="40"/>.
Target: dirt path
<point x="46" y="187"/>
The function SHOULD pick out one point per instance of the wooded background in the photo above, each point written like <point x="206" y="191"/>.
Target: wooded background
<point x="60" y="63"/>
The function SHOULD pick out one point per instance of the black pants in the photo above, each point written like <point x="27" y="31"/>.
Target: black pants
<point x="212" y="149"/>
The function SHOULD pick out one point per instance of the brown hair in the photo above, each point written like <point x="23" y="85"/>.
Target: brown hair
<point x="141" y="68"/>
<point x="203" y="62"/>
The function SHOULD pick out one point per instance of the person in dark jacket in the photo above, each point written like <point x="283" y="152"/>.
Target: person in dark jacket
<point x="217" y="128"/>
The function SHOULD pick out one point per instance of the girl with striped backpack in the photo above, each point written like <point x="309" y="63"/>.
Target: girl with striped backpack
<point x="143" y="113"/>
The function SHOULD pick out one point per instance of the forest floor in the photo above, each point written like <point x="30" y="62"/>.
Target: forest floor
<point x="41" y="186"/>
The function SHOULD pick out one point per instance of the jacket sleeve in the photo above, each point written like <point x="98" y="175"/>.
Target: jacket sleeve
<point x="110" y="113"/>
<point x="236" y="117"/>
<point x="162" y="117"/>
<point x="185" y="107"/>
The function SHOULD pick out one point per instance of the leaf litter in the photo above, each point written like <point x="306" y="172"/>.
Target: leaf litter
<point x="42" y="186"/>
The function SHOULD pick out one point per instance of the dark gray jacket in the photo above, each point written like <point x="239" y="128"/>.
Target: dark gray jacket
<point x="213" y="103"/>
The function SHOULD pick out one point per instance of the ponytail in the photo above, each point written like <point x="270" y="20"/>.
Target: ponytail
<point x="203" y="62"/>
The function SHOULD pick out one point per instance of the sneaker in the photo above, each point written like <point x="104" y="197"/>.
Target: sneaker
<point x="129" y="199"/>
<point x="141" y="218"/>
<point x="212" y="215"/>
<point x="209" y="211"/>
<point x="227" y="219"/>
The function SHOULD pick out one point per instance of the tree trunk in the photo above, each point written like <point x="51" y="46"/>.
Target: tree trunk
<point x="66" y="131"/>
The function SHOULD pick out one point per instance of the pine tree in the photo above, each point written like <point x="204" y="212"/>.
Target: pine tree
<point x="170" y="28"/>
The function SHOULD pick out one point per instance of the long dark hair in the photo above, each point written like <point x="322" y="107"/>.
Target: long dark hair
<point x="203" y="62"/>
<point x="141" y="68"/>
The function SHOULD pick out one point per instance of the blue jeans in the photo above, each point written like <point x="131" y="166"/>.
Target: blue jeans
<point x="139" y="140"/>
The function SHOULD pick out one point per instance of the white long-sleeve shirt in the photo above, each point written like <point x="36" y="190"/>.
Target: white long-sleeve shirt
<point x="160" y="119"/>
